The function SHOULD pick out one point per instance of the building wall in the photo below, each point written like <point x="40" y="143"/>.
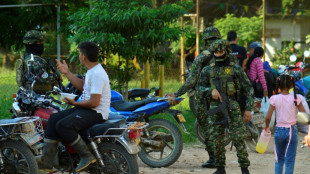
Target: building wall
<point x="279" y="30"/>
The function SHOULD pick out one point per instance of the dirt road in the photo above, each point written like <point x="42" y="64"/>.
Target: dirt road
<point x="194" y="155"/>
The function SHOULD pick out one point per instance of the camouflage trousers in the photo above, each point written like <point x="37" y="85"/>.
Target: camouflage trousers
<point x="204" y="121"/>
<point x="237" y="132"/>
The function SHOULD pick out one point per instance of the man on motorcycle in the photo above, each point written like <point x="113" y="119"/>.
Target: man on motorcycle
<point x="93" y="108"/>
<point x="226" y="76"/>
<point x="44" y="69"/>
<point x="210" y="35"/>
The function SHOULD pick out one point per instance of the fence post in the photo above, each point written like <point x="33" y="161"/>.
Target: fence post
<point x="161" y="79"/>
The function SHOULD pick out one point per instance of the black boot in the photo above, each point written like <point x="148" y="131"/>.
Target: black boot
<point x="210" y="163"/>
<point x="245" y="170"/>
<point x="220" y="170"/>
<point x="86" y="157"/>
<point x="45" y="162"/>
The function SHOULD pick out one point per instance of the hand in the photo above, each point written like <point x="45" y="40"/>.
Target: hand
<point x="170" y="95"/>
<point x="216" y="95"/>
<point x="62" y="67"/>
<point x="307" y="140"/>
<point x="69" y="101"/>
<point x="265" y="93"/>
<point x="247" y="116"/>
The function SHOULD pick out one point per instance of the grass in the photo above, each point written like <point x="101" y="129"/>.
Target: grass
<point x="8" y="86"/>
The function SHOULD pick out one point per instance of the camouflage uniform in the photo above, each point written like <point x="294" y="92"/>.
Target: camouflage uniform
<point x="239" y="83"/>
<point x="44" y="69"/>
<point x="200" y="61"/>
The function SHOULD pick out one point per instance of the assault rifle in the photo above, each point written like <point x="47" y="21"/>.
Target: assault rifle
<point x="223" y="107"/>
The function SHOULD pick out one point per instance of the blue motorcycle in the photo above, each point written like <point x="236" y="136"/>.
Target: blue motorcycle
<point x="162" y="143"/>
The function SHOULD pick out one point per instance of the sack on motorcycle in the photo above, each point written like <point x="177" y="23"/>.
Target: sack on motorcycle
<point x="19" y="66"/>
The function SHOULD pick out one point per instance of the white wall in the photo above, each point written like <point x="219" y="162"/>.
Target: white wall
<point x="289" y="30"/>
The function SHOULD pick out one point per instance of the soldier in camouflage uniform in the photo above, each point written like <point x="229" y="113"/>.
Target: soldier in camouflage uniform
<point x="43" y="68"/>
<point x="233" y="80"/>
<point x="210" y="35"/>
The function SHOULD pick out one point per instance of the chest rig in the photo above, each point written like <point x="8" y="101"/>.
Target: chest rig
<point x="224" y="80"/>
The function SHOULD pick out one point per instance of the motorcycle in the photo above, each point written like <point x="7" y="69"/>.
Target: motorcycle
<point x="114" y="142"/>
<point x="17" y="137"/>
<point x="161" y="143"/>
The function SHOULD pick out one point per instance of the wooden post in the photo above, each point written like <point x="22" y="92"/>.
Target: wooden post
<point x="182" y="52"/>
<point x="161" y="79"/>
<point x="264" y="26"/>
<point x="146" y="71"/>
<point x="197" y="27"/>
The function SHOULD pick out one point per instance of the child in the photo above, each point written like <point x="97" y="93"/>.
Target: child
<point x="286" y="133"/>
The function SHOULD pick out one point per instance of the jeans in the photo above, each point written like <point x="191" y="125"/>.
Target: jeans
<point x="281" y="138"/>
<point x="66" y="125"/>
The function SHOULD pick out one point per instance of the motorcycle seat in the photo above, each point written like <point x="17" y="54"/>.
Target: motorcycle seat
<point x="122" y="105"/>
<point x="138" y="92"/>
<point x="102" y="128"/>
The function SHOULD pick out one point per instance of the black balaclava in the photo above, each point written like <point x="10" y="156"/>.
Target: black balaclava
<point x="36" y="49"/>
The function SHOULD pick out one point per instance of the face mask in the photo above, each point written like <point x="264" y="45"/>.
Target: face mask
<point x="220" y="58"/>
<point x="36" y="49"/>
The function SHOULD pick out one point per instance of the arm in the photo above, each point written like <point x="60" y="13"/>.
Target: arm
<point x="203" y="86"/>
<point x="196" y="68"/>
<point x="268" y="116"/>
<point x="260" y="72"/>
<point x="93" y="102"/>
<point x="307" y="138"/>
<point x="246" y="87"/>
<point x="76" y="82"/>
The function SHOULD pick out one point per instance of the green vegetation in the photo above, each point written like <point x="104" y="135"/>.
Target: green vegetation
<point x="248" y="29"/>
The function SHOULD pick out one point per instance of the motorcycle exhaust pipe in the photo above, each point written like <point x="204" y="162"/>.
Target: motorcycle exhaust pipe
<point x="97" y="154"/>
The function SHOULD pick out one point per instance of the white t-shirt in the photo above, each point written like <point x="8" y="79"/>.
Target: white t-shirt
<point x="97" y="82"/>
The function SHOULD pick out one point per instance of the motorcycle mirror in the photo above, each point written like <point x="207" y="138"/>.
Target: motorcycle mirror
<point x="306" y="53"/>
<point x="303" y="118"/>
<point x="293" y="58"/>
<point x="55" y="88"/>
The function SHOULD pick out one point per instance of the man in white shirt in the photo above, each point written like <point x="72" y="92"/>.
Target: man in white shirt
<point x="93" y="108"/>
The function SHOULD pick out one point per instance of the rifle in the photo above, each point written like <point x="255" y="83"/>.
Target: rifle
<point x="223" y="107"/>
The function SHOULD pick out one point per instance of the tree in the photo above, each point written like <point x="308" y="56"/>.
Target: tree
<point x="128" y="29"/>
<point x="248" y="29"/>
<point x="16" y="21"/>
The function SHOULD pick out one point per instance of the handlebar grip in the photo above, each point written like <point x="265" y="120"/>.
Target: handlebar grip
<point x="57" y="101"/>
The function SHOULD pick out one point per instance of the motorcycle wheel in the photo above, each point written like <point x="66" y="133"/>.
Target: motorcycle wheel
<point x="252" y="136"/>
<point x="192" y="104"/>
<point x="170" y="148"/>
<point x="17" y="158"/>
<point x="116" y="159"/>
<point x="200" y="134"/>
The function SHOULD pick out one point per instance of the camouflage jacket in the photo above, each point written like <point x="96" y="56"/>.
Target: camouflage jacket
<point x="44" y="69"/>
<point x="200" y="61"/>
<point x="240" y="80"/>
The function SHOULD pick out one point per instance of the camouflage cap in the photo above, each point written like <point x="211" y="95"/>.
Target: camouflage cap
<point x="221" y="45"/>
<point x="33" y="36"/>
<point x="211" y="32"/>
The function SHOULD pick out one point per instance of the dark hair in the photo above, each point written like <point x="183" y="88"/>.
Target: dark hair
<point x="90" y="49"/>
<point x="231" y="36"/>
<point x="286" y="81"/>
<point x="259" y="51"/>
